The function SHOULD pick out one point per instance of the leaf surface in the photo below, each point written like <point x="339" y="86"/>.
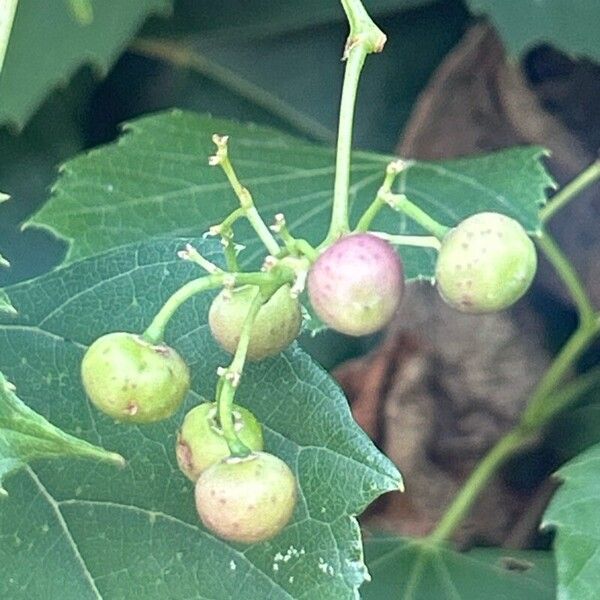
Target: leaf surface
<point x="408" y="569"/>
<point x="48" y="43"/>
<point x="134" y="532"/>
<point x="156" y="181"/>
<point x="573" y="513"/>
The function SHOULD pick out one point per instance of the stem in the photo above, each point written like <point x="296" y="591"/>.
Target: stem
<point x="537" y="413"/>
<point x="478" y="479"/>
<point x="365" y="37"/>
<point x="571" y="190"/>
<point x="8" y="9"/>
<point x="401" y="203"/>
<point x="155" y="331"/>
<point x="391" y="172"/>
<point x="247" y="203"/>
<point x="419" y="241"/>
<point x="230" y="377"/>
<point x="567" y="273"/>
<point x="182" y="56"/>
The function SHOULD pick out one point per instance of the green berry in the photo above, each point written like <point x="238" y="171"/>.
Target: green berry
<point x="485" y="264"/>
<point x="200" y="442"/>
<point x="276" y="326"/>
<point x="247" y="499"/>
<point x="132" y="380"/>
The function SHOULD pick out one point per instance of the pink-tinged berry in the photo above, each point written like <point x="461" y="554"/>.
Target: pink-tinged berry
<point x="356" y="285"/>
<point x="485" y="264"/>
<point x="132" y="380"/>
<point x="200" y="441"/>
<point x="276" y="326"/>
<point x="247" y="499"/>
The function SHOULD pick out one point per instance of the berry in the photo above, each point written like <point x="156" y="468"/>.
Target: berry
<point x="200" y="442"/>
<point x="485" y="264"/>
<point x="133" y="380"/>
<point x="247" y="499"/>
<point x="356" y="285"/>
<point x="276" y="326"/>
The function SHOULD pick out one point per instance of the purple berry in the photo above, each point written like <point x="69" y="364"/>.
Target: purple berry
<point x="356" y="285"/>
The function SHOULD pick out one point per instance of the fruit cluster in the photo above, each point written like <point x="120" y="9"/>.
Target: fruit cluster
<point x="354" y="284"/>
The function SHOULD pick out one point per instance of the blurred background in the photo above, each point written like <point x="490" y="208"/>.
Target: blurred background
<point x="456" y="78"/>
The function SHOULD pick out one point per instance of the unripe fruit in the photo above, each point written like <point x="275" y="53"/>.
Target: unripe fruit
<point x="246" y="499"/>
<point x="276" y="326"/>
<point x="132" y="380"/>
<point x="485" y="264"/>
<point x="356" y="285"/>
<point x="200" y="441"/>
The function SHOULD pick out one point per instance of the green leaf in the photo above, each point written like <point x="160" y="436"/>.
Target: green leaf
<point x="573" y="512"/>
<point x="26" y="436"/>
<point x="571" y="26"/>
<point x="134" y="533"/>
<point x="156" y="180"/>
<point x="48" y="44"/>
<point x="411" y="570"/>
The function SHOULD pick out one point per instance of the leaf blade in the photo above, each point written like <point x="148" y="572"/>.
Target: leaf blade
<point x="126" y="523"/>
<point x="573" y="513"/>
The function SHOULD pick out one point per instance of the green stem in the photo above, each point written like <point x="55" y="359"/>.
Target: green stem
<point x="460" y="506"/>
<point x="419" y="241"/>
<point x="365" y="37"/>
<point x="571" y="190"/>
<point x="537" y="413"/>
<point x="247" y="203"/>
<point x="155" y="331"/>
<point x="229" y="380"/>
<point x="402" y="204"/>
<point x="569" y="277"/>
<point x="392" y="171"/>
<point x="536" y="416"/>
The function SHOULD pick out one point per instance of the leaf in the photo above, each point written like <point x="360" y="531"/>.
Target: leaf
<point x="573" y="512"/>
<point x="411" y="570"/>
<point x="26" y="436"/>
<point x="48" y="44"/>
<point x="571" y="26"/>
<point x="156" y="180"/>
<point x="134" y="533"/>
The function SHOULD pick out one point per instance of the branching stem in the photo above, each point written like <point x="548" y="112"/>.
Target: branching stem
<point x="571" y="190"/>
<point x="247" y="203"/>
<point x="155" y="331"/>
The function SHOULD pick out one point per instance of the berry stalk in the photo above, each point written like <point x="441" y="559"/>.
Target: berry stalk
<point x="229" y="380"/>
<point x="365" y="38"/>
<point x="586" y="178"/>
<point x="275" y="278"/>
<point x="221" y="158"/>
